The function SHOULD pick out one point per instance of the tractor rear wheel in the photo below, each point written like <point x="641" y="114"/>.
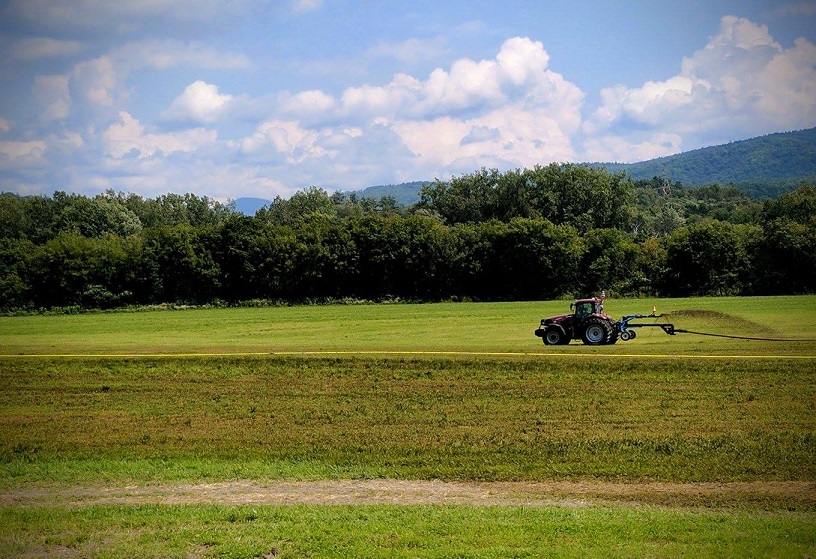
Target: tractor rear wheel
<point x="596" y="332"/>
<point x="613" y="336"/>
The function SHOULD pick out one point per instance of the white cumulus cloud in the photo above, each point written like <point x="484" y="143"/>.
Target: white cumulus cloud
<point x="742" y="84"/>
<point x="129" y="137"/>
<point x="287" y="138"/>
<point x="200" y="102"/>
<point x="104" y="82"/>
<point x="307" y="104"/>
<point x="615" y="149"/>
<point x="22" y="153"/>
<point x="530" y="111"/>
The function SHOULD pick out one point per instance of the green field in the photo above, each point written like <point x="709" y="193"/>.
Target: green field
<point x="414" y="418"/>
<point x="662" y="446"/>
<point x="446" y="327"/>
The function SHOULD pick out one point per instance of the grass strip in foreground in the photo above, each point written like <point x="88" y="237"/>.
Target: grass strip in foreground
<point x="401" y="531"/>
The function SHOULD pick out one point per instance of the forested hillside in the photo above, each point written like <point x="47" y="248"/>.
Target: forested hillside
<point x="541" y="233"/>
<point x="762" y="168"/>
<point x="406" y="193"/>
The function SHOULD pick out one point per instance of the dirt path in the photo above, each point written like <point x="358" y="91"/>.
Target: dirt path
<point x="796" y="495"/>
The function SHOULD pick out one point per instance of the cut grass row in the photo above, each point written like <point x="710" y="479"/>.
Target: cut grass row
<point x="424" y="418"/>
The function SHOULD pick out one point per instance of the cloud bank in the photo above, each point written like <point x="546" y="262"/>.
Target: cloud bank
<point x="509" y="110"/>
<point x="741" y="84"/>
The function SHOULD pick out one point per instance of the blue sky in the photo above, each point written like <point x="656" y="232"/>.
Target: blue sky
<point x="234" y="98"/>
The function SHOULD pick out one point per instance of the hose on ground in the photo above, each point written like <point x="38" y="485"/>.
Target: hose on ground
<point x="681" y="331"/>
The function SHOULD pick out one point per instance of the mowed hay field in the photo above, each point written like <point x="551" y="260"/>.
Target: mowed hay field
<point x="426" y="329"/>
<point x="408" y="431"/>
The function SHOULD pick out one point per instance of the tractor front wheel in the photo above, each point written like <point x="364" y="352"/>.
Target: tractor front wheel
<point x="553" y="337"/>
<point x="596" y="332"/>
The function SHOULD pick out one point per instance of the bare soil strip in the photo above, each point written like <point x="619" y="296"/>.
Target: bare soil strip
<point x="788" y="494"/>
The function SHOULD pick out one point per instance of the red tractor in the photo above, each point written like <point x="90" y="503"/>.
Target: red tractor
<point x="588" y="323"/>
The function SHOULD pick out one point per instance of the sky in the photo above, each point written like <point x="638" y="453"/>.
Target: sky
<point x="264" y="98"/>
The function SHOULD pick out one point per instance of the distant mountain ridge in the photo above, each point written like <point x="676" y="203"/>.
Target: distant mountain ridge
<point x="248" y="206"/>
<point x="763" y="167"/>
<point x="406" y="193"/>
<point x="782" y="157"/>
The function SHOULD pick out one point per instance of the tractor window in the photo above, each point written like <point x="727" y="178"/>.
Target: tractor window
<point x="583" y="309"/>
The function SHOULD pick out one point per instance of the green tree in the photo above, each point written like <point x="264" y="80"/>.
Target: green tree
<point x="256" y="260"/>
<point x="176" y="209"/>
<point x="798" y="206"/>
<point x="95" y="217"/>
<point x="467" y="199"/>
<point x="73" y="270"/>
<point x="420" y="256"/>
<point x="15" y="291"/>
<point x="576" y="195"/>
<point x="375" y="255"/>
<point x="538" y="260"/>
<point x="786" y="256"/>
<point x="322" y="257"/>
<point x="474" y="270"/>
<point x="241" y="252"/>
<point x="586" y="197"/>
<point x="28" y="217"/>
<point x="610" y="262"/>
<point x="525" y="259"/>
<point x="651" y="263"/>
<point x="178" y="265"/>
<point x="710" y="258"/>
<point x="300" y="206"/>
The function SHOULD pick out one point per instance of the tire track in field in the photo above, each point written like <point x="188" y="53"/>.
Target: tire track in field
<point x="797" y="494"/>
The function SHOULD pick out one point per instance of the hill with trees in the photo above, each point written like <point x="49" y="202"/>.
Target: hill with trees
<point x="762" y="167"/>
<point x="406" y="193"/>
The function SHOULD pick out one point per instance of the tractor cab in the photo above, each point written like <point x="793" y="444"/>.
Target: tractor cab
<point x="586" y="307"/>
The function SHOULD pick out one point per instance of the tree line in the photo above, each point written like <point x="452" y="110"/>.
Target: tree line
<point x="533" y="234"/>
